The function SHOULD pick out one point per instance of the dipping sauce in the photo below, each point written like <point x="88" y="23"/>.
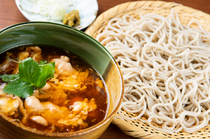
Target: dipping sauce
<point x="74" y="99"/>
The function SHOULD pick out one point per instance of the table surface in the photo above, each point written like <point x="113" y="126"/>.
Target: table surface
<point x="9" y="14"/>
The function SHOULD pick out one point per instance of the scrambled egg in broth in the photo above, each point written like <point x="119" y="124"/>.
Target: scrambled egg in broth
<point x="74" y="99"/>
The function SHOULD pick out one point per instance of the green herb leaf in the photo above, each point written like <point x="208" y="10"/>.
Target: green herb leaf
<point x="31" y="75"/>
<point x="29" y="70"/>
<point x="46" y="72"/>
<point x="42" y="62"/>
<point x="19" y="88"/>
<point x="9" y="78"/>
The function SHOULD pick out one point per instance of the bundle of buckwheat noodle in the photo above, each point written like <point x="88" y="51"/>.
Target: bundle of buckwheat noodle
<point x="166" y="70"/>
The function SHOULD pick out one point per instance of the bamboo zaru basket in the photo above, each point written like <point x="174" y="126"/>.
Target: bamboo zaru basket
<point x="136" y="128"/>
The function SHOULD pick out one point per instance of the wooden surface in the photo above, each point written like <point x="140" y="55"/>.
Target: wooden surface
<point x="9" y="14"/>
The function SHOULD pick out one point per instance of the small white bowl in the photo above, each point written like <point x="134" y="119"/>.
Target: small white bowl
<point x="88" y="10"/>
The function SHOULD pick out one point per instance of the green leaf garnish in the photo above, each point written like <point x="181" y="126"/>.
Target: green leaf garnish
<point x="19" y="88"/>
<point x="29" y="70"/>
<point x="18" y="60"/>
<point x="46" y="72"/>
<point x="31" y="75"/>
<point x="9" y="78"/>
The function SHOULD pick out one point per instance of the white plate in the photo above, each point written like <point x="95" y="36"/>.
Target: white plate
<point x="87" y="9"/>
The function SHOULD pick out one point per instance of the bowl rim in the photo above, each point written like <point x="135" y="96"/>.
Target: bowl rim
<point x="86" y="130"/>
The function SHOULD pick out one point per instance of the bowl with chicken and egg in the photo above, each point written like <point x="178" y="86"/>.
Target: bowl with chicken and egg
<point x="55" y="82"/>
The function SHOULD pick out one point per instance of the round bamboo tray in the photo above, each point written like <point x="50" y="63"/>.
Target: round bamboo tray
<point x="136" y="128"/>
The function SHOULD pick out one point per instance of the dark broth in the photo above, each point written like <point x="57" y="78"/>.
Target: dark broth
<point x="93" y="91"/>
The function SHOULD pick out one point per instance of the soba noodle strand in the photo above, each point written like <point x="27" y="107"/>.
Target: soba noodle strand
<point x="166" y="70"/>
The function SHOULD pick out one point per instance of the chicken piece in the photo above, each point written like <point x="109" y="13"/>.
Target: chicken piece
<point x="83" y="106"/>
<point x="8" y="67"/>
<point x="53" y="108"/>
<point x="33" y="49"/>
<point x="35" y="53"/>
<point x="39" y="120"/>
<point x="46" y="87"/>
<point x="5" y="65"/>
<point x="9" y="106"/>
<point x="37" y="57"/>
<point x="22" y="55"/>
<point x="49" y="111"/>
<point x="40" y="95"/>
<point x="62" y="66"/>
<point x="59" y="116"/>
<point x="32" y="104"/>
<point x="22" y="109"/>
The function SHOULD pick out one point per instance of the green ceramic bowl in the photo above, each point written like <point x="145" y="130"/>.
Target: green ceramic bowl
<point x="77" y="42"/>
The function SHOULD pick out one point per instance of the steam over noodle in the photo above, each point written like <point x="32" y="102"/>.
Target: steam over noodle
<point x="166" y="70"/>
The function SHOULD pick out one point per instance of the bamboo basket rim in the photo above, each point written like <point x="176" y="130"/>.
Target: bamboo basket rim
<point x="103" y="17"/>
<point x="139" y="129"/>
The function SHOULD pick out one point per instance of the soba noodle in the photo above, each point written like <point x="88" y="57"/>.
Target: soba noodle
<point x="166" y="70"/>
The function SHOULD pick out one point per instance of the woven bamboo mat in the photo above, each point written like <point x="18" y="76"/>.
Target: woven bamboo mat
<point x="136" y="128"/>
